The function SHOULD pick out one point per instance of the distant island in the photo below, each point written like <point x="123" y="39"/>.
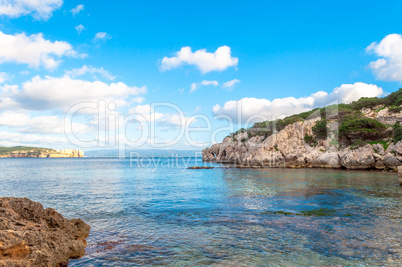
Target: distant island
<point x="365" y="134"/>
<point x="38" y="152"/>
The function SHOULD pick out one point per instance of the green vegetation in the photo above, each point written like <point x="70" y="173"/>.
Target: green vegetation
<point x="397" y="132"/>
<point x="320" y="129"/>
<point x="366" y="102"/>
<point x="5" y="150"/>
<point x="354" y="127"/>
<point x="281" y="124"/>
<point x="356" y="143"/>
<point x="244" y="140"/>
<point x="385" y="144"/>
<point x="363" y="128"/>
<point x="308" y="139"/>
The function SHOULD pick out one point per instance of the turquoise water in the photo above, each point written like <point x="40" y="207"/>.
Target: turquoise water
<point x="159" y="213"/>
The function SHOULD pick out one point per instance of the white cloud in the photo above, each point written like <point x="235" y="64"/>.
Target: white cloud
<point x="11" y="139"/>
<point x="205" y="61"/>
<point x="230" y="84"/>
<point x="145" y="113"/>
<point x="25" y="72"/>
<point x="79" y="28"/>
<point x="264" y="109"/>
<point x="176" y="120"/>
<point x="40" y="124"/>
<point x="3" y="77"/>
<point x="34" y="50"/>
<point x="13" y="119"/>
<point x="62" y="93"/>
<point x="389" y="66"/>
<point x="195" y="86"/>
<point x="7" y="92"/>
<point x="90" y="70"/>
<point x="51" y="125"/>
<point x="39" y="9"/>
<point x="77" y="9"/>
<point x="102" y="36"/>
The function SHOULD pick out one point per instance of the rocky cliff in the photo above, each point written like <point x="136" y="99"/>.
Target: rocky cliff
<point x="33" y="236"/>
<point x="296" y="145"/>
<point x="32" y="152"/>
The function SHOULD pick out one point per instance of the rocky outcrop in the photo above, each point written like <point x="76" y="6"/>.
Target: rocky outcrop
<point x="287" y="148"/>
<point x="44" y="153"/>
<point x="33" y="236"/>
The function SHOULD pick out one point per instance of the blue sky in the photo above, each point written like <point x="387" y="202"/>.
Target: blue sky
<point x="276" y="50"/>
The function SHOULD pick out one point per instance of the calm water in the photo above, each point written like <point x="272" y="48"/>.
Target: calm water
<point x="174" y="216"/>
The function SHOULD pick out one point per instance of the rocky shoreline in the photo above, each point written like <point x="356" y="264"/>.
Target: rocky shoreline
<point x="288" y="148"/>
<point x="44" y="153"/>
<point x="33" y="236"/>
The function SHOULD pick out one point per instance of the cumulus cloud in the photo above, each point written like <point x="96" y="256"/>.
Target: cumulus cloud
<point x="3" y="77"/>
<point x="101" y="36"/>
<point x="12" y="139"/>
<point x="79" y="28"/>
<point x="230" y="84"/>
<point x="7" y="92"/>
<point x="13" y="119"/>
<point x="61" y="93"/>
<point x="77" y="9"/>
<point x="172" y="120"/>
<point x="90" y="70"/>
<point x="253" y="109"/>
<point x="34" y="50"/>
<point x="39" y="9"/>
<point x="51" y="125"/>
<point x="40" y="124"/>
<point x="195" y="86"/>
<point x="205" y="61"/>
<point x="145" y="113"/>
<point x="176" y="120"/>
<point x="389" y="66"/>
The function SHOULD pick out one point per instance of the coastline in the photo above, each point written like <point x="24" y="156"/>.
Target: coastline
<point x="291" y="146"/>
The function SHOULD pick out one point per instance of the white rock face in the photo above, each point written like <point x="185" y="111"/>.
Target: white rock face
<point x="287" y="148"/>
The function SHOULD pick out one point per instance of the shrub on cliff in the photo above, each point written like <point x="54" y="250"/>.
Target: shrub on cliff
<point x="308" y="139"/>
<point x="362" y="128"/>
<point x="366" y="102"/>
<point x="320" y="129"/>
<point x="282" y="123"/>
<point x="397" y="133"/>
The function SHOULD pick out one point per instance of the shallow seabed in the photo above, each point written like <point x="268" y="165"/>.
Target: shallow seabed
<point x="142" y="214"/>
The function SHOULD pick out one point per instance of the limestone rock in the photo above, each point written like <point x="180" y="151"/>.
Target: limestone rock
<point x="33" y="236"/>
<point x="390" y="161"/>
<point x="287" y="148"/>
<point x="327" y="160"/>
<point x="360" y="158"/>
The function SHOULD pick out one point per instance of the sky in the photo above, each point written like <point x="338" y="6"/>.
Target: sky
<point x="184" y="74"/>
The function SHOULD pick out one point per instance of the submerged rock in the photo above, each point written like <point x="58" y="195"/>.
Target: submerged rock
<point x="33" y="236"/>
<point x="200" y="168"/>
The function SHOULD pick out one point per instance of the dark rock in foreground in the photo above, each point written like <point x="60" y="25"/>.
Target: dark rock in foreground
<point x="33" y="236"/>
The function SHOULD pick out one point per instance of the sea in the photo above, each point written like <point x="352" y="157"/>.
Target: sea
<point x="155" y="211"/>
